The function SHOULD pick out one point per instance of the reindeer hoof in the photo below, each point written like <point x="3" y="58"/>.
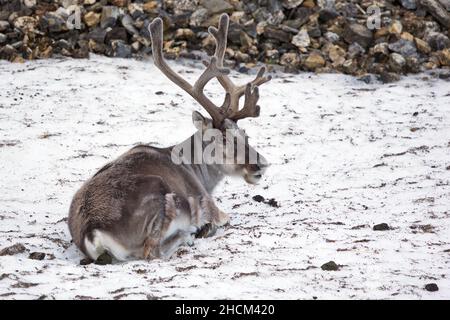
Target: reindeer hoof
<point x="190" y="242"/>
<point x="206" y="231"/>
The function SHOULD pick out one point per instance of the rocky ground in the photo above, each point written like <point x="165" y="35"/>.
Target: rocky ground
<point x="381" y="37"/>
<point x="355" y="205"/>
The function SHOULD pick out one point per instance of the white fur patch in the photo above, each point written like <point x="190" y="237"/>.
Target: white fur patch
<point x="102" y="242"/>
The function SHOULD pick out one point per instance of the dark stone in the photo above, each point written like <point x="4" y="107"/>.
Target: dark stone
<point x="98" y="35"/>
<point x="127" y="23"/>
<point x="327" y="14"/>
<point x="37" y="256"/>
<point x="118" y="33"/>
<point x="103" y="259"/>
<point x="234" y="33"/>
<point x="258" y="198"/>
<point x="314" y="31"/>
<point x="273" y="203"/>
<point x="243" y="69"/>
<point x="412" y="65"/>
<point x="432" y="287"/>
<point x="52" y="22"/>
<point x="109" y="16"/>
<point x="349" y="10"/>
<point x="368" y="78"/>
<point x="359" y="34"/>
<point x="63" y="44"/>
<point x="4" y="25"/>
<point x="381" y="227"/>
<point x="121" y="49"/>
<point x="13" y="250"/>
<point x="404" y="47"/>
<point x="86" y="261"/>
<point x="437" y="11"/>
<point x="388" y="77"/>
<point x="271" y="32"/>
<point x="437" y="40"/>
<point x="302" y="15"/>
<point x="330" y="266"/>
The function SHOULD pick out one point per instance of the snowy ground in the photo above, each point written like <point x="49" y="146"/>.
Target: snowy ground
<point x="345" y="156"/>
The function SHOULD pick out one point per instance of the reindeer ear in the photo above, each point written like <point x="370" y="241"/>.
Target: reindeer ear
<point x="200" y="122"/>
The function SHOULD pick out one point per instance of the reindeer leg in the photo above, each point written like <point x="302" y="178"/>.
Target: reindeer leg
<point x="212" y="216"/>
<point x="171" y="244"/>
<point x="152" y="245"/>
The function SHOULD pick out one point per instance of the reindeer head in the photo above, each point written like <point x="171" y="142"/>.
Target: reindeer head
<point x="241" y="159"/>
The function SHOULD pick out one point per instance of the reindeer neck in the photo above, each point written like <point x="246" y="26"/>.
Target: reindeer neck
<point x="209" y="174"/>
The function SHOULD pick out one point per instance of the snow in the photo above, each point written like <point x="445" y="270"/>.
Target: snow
<point x="345" y="156"/>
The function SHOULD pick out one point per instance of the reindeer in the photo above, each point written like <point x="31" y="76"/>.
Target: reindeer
<point x="143" y="205"/>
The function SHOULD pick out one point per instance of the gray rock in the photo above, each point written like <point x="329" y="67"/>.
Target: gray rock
<point x="330" y="266"/>
<point x="445" y="4"/>
<point x="314" y="31"/>
<point x="437" y="40"/>
<point x="329" y="4"/>
<point x="198" y="17"/>
<point x="135" y="10"/>
<point x="437" y="10"/>
<point x="331" y="36"/>
<point x="109" y="16"/>
<point x="412" y="65"/>
<point x="98" y="35"/>
<point x="404" y="47"/>
<point x="381" y="49"/>
<point x="29" y="3"/>
<point x="7" y="52"/>
<point x="127" y="23"/>
<point x="355" y="50"/>
<point x="120" y="49"/>
<point x="302" y="14"/>
<point x="409" y="4"/>
<point x="216" y="6"/>
<point x="359" y="34"/>
<point x="185" y="5"/>
<point x="3" y="38"/>
<point x="301" y="39"/>
<point x="12" y="250"/>
<point x="367" y="78"/>
<point x="291" y="4"/>
<point x="53" y="22"/>
<point x="4" y="25"/>
<point x="36" y="256"/>
<point x="396" y="62"/>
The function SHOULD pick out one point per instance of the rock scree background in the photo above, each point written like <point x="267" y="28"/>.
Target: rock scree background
<point x="382" y="37"/>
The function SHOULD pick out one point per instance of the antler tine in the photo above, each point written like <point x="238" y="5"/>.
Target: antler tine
<point x="236" y="92"/>
<point x="213" y="70"/>
<point x="250" y="109"/>
<point x="259" y="80"/>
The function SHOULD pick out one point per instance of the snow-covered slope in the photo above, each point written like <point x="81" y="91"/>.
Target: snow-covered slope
<point x="345" y="156"/>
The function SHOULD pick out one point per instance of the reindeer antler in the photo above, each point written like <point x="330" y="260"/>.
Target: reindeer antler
<point x="250" y="108"/>
<point x="214" y="69"/>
